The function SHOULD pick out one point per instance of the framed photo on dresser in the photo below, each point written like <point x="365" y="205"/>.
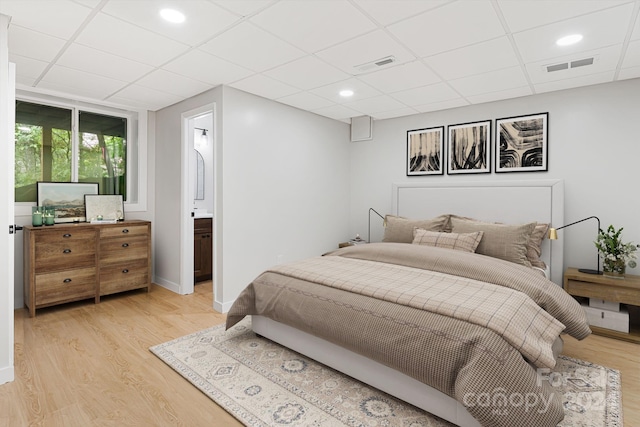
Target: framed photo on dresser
<point x="67" y="198"/>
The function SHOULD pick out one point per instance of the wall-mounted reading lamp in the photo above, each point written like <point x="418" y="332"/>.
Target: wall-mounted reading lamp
<point x="384" y="222"/>
<point x="553" y="235"/>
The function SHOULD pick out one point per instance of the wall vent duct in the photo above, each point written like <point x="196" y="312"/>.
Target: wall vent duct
<point x="570" y="64"/>
<point x="376" y="64"/>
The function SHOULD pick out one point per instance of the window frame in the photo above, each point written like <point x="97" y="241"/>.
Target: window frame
<point x="136" y="145"/>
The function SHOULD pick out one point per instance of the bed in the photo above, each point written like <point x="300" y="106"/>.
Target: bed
<point x="440" y="327"/>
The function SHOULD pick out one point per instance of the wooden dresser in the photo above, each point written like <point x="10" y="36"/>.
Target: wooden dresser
<point x="71" y="262"/>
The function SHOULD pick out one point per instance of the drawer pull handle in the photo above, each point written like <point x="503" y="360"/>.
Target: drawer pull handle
<point x="126" y="230"/>
<point x="125" y="271"/>
<point x="125" y="245"/>
<point x="67" y="281"/>
<point x="66" y="235"/>
<point x="67" y="251"/>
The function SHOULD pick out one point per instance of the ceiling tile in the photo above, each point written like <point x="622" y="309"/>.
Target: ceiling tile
<point x="441" y="105"/>
<point x="585" y="80"/>
<point x="605" y="59"/>
<point x="377" y="104"/>
<point x="80" y="82"/>
<point x="501" y="94"/>
<point x="305" y="101"/>
<point x="629" y="73"/>
<point x="525" y="14"/>
<point x="207" y="68"/>
<point x="475" y="21"/>
<point x="599" y="29"/>
<point x="492" y="81"/>
<point x="89" y="3"/>
<point x="307" y="73"/>
<point x="387" y="11"/>
<point x="105" y="64"/>
<point x="313" y="25"/>
<point x="34" y="45"/>
<point x="426" y="95"/>
<point x="265" y="86"/>
<point x="352" y="54"/>
<point x="253" y="48"/>
<point x="149" y="98"/>
<point x="632" y="56"/>
<point x="36" y="15"/>
<point x="123" y="39"/>
<point x="244" y="7"/>
<point x="407" y="111"/>
<point x="173" y="83"/>
<point x="635" y="35"/>
<point x="401" y="77"/>
<point x="360" y="90"/>
<point x="479" y="58"/>
<point x="27" y="67"/>
<point x="203" y="19"/>
<point x="338" y="112"/>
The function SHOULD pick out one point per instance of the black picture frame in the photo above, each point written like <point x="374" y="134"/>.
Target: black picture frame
<point x="469" y="148"/>
<point x="67" y="198"/>
<point x="425" y="151"/>
<point x="522" y="143"/>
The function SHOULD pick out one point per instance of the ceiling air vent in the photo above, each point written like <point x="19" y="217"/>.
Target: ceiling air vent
<point x="571" y="64"/>
<point x="375" y="64"/>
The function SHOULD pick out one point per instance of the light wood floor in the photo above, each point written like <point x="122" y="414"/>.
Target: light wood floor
<point x="85" y="365"/>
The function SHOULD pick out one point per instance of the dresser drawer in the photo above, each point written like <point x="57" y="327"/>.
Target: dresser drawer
<point x="64" y="234"/>
<point x="116" y="251"/>
<point x="64" y="286"/>
<point x="124" y="230"/>
<point x="64" y="254"/>
<point x="132" y="275"/>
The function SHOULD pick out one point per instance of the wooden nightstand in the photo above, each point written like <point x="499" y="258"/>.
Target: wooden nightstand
<point x="625" y="291"/>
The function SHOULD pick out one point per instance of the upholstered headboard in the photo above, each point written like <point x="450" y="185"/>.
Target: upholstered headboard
<point x="511" y="202"/>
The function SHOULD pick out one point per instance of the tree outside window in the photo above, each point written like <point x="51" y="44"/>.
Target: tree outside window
<point x="45" y="146"/>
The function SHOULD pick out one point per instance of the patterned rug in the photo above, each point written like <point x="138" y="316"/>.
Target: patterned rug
<point x="264" y="384"/>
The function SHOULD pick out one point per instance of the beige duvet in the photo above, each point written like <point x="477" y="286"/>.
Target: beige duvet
<point x="466" y="324"/>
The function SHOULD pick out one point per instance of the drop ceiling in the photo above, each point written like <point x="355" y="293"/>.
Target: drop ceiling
<point x="304" y="52"/>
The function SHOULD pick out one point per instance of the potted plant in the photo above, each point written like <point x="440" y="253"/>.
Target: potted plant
<point x="615" y="254"/>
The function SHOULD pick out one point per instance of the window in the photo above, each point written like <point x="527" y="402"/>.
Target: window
<point x="78" y="143"/>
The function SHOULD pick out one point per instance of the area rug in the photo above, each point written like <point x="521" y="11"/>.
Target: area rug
<point x="264" y="384"/>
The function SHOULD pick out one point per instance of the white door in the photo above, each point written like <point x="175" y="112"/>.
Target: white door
<point x="7" y="144"/>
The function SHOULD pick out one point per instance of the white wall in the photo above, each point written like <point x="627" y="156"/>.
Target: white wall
<point x="7" y="120"/>
<point x="593" y="147"/>
<point x="283" y="191"/>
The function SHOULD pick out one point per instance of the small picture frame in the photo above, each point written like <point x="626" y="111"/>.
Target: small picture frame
<point x="67" y="198"/>
<point x="425" y="151"/>
<point x="468" y="146"/>
<point x="521" y="143"/>
<point x="103" y="207"/>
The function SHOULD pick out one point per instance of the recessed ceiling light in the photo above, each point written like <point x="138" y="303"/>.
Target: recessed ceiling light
<point x="569" y="40"/>
<point x="172" y="15"/>
<point x="346" y="93"/>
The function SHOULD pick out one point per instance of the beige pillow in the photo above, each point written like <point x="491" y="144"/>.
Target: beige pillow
<point x="534" y="247"/>
<point x="508" y="242"/>
<point x="400" y="230"/>
<point x="466" y="242"/>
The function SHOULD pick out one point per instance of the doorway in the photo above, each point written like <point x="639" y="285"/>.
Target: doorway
<point x="198" y="183"/>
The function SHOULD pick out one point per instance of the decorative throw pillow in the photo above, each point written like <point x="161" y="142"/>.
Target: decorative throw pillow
<point x="534" y="247"/>
<point x="400" y="230"/>
<point x="508" y="242"/>
<point x="466" y="242"/>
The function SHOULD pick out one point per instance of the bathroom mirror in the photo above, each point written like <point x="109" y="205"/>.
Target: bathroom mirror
<point x="199" y="176"/>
